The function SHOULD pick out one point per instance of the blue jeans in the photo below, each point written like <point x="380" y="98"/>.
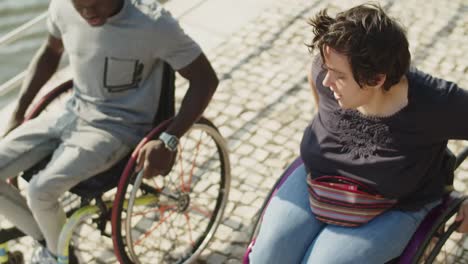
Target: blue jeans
<point x="290" y="233"/>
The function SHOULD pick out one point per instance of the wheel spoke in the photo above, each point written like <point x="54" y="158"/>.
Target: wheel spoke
<point x="146" y="234"/>
<point x="201" y="211"/>
<point x="186" y="188"/>
<point x="187" y="218"/>
<point x="181" y="173"/>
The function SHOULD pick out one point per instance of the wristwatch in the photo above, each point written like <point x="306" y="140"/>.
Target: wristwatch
<point x="170" y="141"/>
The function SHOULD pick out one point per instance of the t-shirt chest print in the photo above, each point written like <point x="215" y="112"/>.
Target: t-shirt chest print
<point x="359" y="136"/>
<point x="122" y="74"/>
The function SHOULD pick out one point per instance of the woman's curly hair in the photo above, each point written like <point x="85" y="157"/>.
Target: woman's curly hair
<point x="373" y="42"/>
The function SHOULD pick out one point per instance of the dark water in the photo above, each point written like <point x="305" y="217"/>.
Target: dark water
<point x="14" y="57"/>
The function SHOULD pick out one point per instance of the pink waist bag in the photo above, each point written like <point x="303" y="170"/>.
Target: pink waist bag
<point x="343" y="201"/>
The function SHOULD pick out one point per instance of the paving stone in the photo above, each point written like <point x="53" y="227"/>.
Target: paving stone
<point x="234" y="222"/>
<point x="263" y="102"/>
<point x="216" y="259"/>
<point x="224" y="232"/>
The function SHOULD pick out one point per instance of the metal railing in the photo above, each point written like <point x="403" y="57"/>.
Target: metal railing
<point x="11" y="84"/>
<point x="12" y="36"/>
<point x="16" y="33"/>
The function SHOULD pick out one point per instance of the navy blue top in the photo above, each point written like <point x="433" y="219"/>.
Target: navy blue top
<point x="402" y="155"/>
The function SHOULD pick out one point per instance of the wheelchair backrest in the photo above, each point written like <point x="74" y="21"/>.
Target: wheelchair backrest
<point x="166" y="107"/>
<point x="449" y="166"/>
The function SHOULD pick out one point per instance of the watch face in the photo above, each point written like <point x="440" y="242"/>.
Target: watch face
<point x="172" y="143"/>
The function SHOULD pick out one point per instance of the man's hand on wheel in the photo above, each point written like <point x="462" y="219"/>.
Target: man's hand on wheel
<point x="155" y="159"/>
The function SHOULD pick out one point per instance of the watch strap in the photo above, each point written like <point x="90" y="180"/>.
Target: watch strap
<point x="170" y="141"/>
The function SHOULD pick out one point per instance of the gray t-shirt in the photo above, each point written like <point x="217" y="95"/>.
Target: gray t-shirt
<point x="117" y="68"/>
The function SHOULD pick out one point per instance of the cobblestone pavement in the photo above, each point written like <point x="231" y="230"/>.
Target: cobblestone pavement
<point x="263" y="102"/>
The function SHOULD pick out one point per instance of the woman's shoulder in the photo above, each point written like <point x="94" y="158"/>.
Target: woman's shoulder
<point x="425" y="87"/>
<point x="429" y="82"/>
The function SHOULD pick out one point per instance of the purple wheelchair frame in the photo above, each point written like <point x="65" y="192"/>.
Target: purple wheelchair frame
<point x="417" y="240"/>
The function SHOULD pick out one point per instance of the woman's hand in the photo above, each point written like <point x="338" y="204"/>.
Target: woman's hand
<point x="463" y="217"/>
<point x="155" y="159"/>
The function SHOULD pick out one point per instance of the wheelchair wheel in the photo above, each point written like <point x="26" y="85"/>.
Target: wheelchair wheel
<point x="445" y="245"/>
<point x="171" y="219"/>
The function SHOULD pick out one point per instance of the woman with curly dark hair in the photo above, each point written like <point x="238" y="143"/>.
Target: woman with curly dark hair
<point x="374" y="155"/>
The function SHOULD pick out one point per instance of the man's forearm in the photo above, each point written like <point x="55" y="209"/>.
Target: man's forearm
<point x="202" y="85"/>
<point x="40" y="70"/>
<point x="194" y="103"/>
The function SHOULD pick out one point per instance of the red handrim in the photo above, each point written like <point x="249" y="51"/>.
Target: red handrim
<point x="121" y="187"/>
<point x="50" y="96"/>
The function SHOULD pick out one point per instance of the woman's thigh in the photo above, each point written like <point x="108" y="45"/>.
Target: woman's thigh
<point x="288" y="225"/>
<point x="379" y="241"/>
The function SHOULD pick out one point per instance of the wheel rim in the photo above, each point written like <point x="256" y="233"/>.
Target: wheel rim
<point x="448" y="246"/>
<point x="187" y="205"/>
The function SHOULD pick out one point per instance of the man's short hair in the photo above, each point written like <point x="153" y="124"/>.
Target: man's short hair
<point x="373" y="42"/>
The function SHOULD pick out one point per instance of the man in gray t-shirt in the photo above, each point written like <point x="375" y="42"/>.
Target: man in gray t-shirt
<point x="116" y="50"/>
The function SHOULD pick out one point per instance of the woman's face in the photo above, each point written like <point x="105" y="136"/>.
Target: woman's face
<point x="96" y="12"/>
<point x="341" y="82"/>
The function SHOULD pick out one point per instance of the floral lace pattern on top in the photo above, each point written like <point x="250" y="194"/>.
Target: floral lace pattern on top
<point x="360" y="136"/>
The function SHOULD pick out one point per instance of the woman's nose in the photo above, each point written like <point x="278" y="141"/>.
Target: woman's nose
<point x="327" y="81"/>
